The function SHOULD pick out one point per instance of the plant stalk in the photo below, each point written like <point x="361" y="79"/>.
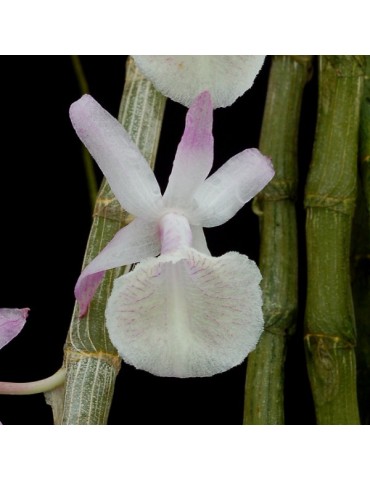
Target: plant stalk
<point x="365" y="136"/>
<point x="330" y="197"/>
<point x="91" y="361"/>
<point x="264" y="399"/>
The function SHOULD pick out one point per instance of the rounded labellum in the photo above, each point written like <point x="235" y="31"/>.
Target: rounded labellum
<point x="183" y="77"/>
<point x="187" y="314"/>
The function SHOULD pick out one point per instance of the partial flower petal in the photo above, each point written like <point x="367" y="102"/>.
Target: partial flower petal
<point x="230" y="187"/>
<point x="199" y="240"/>
<point x="131" y="244"/>
<point x="194" y="156"/>
<point x="128" y="173"/>
<point x="183" y="77"/>
<point x="187" y="314"/>
<point x="12" y="320"/>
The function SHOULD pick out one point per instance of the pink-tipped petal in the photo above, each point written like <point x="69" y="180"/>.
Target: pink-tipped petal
<point x="230" y="187"/>
<point x="131" y="244"/>
<point x="194" y="156"/>
<point x="186" y="314"/>
<point x="183" y="77"/>
<point x="12" y="320"/>
<point x="128" y="173"/>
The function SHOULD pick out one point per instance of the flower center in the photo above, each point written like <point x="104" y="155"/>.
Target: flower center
<point x="175" y="232"/>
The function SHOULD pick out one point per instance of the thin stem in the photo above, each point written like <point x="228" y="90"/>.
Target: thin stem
<point x="30" y="388"/>
<point x="84" y="87"/>
<point x="88" y="161"/>
<point x="330" y="199"/>
<point x="264" y="401"/>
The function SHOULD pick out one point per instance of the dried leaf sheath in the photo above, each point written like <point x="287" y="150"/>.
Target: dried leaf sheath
<point x="330" y="199"/>
<point x="91" y="360"/>
<point x="264" y="402"/>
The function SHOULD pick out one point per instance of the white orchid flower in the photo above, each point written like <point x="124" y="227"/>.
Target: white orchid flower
<point x="183" y="77"/>
<point x="184" y="313"/>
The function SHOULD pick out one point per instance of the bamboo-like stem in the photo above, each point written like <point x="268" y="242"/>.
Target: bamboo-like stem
<point x="330" y="199"/>
<point x="88" y="161"/>
<point x="365" y="136"/>
<point x="264" y="400"/>
<point x="91" y="360"/>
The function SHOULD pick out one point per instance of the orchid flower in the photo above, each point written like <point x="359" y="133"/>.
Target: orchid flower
<point x="12" y="320"/>
<point x="183" y="77"/>
<point x="184" y="313"/>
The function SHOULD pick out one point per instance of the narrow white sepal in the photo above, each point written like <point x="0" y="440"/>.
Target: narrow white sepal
<point x="186" y="314"/>
<point x="128" y="173"/>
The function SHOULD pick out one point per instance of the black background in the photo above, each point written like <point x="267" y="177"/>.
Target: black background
<point x="45" y="219"/>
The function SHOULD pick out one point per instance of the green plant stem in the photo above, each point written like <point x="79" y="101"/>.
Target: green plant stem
<point x="91" y="361"/>
<point x="84" y="87"/>
<point x="330" y="199"/>
<point x="88" y="161"/>
<point x="365" y="136"/>
<point x="360" y="274"/>
<point x="264" y="400"/>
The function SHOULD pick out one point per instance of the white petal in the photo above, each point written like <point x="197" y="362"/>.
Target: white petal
<point x="187" y="314"/>
<point x="131" y="244"/>
<point x="128" y="173"/>
<point x="199" y="240"/>
<point x="194" y="156"/>
<point x="183" y="77"/>
<point x="226" y="191"/>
